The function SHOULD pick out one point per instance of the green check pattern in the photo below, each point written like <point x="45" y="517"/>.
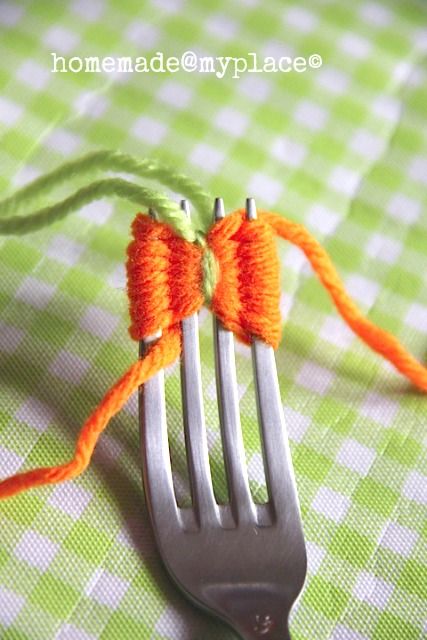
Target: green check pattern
<point x="342" y="149"/>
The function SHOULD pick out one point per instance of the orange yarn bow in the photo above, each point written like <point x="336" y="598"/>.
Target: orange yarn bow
<point x="166" y="277"/>
<point x="166" y="282"/>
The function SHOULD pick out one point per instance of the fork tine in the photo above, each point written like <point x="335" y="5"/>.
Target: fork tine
<point x="241" y="502"/>
<point x="157" y="471"/>
<point x="275" y="448"/>
<point x="204" y="504"/>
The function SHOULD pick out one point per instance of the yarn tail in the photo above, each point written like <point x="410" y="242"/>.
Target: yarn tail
<point x="160" y="355"/>
<point x="376" y="338"/>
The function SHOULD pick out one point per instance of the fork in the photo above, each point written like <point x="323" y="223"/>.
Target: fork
<point x="242" y="562"/>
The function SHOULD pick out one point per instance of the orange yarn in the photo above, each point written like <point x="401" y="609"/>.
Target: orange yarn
<point x="165" y="284"/>
<point x="164" y="274"/>
<point x="165" y="277"/>
<point x="376" y="338"/>
<point x="160" y="355"/>
<point x="247" y="294"/>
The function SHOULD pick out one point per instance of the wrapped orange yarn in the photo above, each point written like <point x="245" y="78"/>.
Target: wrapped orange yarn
<point x="165" y="277"/>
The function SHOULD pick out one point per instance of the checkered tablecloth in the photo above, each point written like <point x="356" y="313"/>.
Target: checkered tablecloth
<point x="343" y="149"/>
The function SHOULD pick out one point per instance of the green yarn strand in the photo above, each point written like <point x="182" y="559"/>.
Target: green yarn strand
<point x="106" y="160"/>
<point x="210" y="274"/>
<point x="167" y="210"/>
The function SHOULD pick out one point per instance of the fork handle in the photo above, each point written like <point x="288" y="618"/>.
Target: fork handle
<point x="276" y="635"/>
<point x="264" y="629"/>
<point x="256" y="612"/>
<point x="282" y="635"/>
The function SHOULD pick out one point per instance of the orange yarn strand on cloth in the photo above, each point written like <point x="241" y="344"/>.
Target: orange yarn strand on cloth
<point x="166" y="283"/>
<point x="160" y="355"/>
<point x="376" y="338"/>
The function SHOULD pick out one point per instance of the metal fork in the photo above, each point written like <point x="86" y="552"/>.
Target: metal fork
<point x="242" y="562"/>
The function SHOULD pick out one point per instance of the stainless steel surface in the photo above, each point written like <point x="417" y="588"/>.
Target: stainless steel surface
<point x="242" y="562"/>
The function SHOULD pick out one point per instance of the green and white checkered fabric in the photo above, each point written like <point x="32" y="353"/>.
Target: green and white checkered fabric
<point x="343" y="149"/>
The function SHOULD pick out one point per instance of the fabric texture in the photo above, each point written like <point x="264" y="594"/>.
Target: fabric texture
<point x="341" y="149"/>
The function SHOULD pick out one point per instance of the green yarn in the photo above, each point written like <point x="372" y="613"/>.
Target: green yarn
<point x="167" y="210"/>
<point x="210" y="274"/>
<point x="108" y="161"/>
